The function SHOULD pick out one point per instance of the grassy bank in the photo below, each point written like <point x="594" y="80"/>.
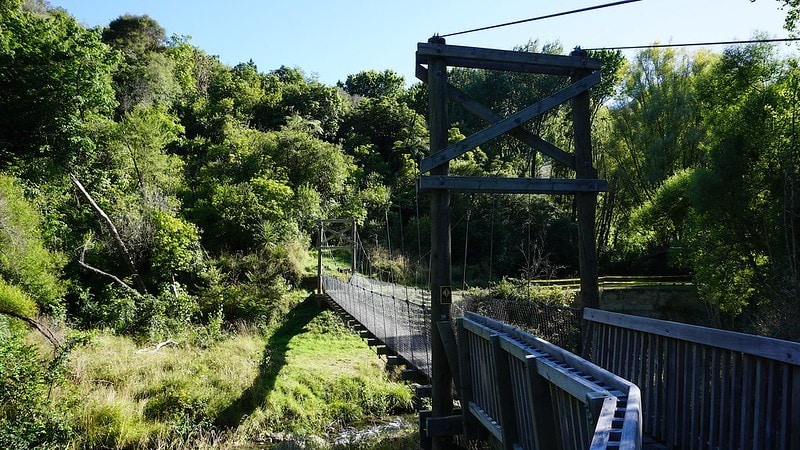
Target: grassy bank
<point x="305" y="379"/>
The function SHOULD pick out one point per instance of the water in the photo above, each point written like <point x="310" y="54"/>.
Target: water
<point x="347" y="438"/>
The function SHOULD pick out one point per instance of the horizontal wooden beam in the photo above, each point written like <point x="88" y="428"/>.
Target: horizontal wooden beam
<point x="486" y="420"/>
<point x="509" y="123"/>
<point x="336" y="220"/>
<point x="764" y="347"/>
<point x="486" y="113"/>
<point x="336" y="247"/>
<point x="506" y="67"/>
<point x="512" y="60"/>
<point x="512" y="185"/>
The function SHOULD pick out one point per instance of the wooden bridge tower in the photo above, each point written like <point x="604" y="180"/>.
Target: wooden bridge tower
<point x="433" y="59"/>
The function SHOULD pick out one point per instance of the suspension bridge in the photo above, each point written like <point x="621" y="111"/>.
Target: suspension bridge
<point x="639" y="383"/>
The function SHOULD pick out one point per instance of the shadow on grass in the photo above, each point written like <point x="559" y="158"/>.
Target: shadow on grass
<point x="274" y="359"/>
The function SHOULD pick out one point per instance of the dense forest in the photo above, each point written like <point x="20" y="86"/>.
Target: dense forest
<point x="150" y="194"/>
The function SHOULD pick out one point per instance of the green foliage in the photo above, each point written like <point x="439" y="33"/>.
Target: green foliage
<point x="145" y="76"/>
<point x="138" y="149"/>
<point x="15" y="301"/>
<point x="57" y="78"/>
<point x="28" y="416"/>
<point x="395" y="268"/>
<point x="135" y="35"/>
<point x="304" y="159"/>
<point x="25" y="261"/>
<point x="734" y="196"/>
<point x="244" y="209"/>
<point x="374" y="84"/>
<point x="522" y="290"/>
<point x="255" y="287"/>
<point x="661" y="222"/>
<point x="176" y="246"/>
<point x="156" y="317"/>
<point x="381" y="133"/>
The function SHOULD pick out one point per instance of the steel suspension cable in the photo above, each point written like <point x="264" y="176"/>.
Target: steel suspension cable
<point x="695" y="44"/>
<point x="548" y="16"/>
<point x="466" y="245"/>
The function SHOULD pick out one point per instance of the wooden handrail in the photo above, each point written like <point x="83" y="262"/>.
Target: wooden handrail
<point x="703" y="387"/>
<point x="564" y="382"/>
<point x="779" y="350"/>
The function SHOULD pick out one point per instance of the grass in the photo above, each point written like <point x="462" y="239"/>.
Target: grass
<point x="307" y="378"/>
<point x="336" y="264"/>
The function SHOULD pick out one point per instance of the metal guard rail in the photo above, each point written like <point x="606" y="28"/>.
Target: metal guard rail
<point x="530" y="394"/>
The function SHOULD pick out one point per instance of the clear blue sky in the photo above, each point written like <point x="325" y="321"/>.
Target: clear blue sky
<point x="331" y="39"/>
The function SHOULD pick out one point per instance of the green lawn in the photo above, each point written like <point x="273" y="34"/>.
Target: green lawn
<point x="307" y="379"/>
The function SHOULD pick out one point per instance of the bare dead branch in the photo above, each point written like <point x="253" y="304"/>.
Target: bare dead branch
<point x="42" y="329"/>
<point x="116" y="279"/>
<point x="157" y="347"/>
<point x="137" y="280"/>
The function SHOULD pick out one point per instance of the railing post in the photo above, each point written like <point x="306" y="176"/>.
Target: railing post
<point x="354" y="265"/>
<point x="542" y="406"/>
<point x="471" y="424"/>
<point x="502" y="379"/>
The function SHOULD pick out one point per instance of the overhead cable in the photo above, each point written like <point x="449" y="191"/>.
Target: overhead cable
<point x="574" y="11"/>
<point x="694" y="44"/>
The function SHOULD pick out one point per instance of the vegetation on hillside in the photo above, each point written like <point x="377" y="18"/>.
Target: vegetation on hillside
<point x="151" y="194"/>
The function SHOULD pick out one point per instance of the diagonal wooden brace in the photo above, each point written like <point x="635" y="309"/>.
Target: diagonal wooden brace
<point x="509" y="123"/>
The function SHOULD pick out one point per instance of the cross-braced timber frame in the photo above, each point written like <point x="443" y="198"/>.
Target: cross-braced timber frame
<point x="433" y="60"/>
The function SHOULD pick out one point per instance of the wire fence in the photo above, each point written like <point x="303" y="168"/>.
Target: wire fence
<point x="559" y="325"/>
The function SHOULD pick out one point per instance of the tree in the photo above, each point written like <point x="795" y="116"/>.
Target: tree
<point x="55" y="76"/>
<point x="383" y="134"/>
<point x="290" y="94"/>
<point x="135" y="36"/>
<point x="653" y="131"/>
<point x="145" y="76"/>
<point x="736" y="195"/>
<point x="374" y="84"/>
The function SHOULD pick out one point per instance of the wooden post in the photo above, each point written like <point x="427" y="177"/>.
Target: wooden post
<point x="441" y="377"/>
<point x="354" y="265"/>
<point x="319" y="257"/>
<point x="585" y="202"/>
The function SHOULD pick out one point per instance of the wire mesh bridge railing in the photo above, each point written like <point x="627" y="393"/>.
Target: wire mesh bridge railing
<point x="524" y="391"/>
<point x="397" y="315"/>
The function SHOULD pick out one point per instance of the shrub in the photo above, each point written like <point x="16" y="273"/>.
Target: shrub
<point x="28" y="418"/>
<point x="25" y="261"/>
<point x="512" y="289"/>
